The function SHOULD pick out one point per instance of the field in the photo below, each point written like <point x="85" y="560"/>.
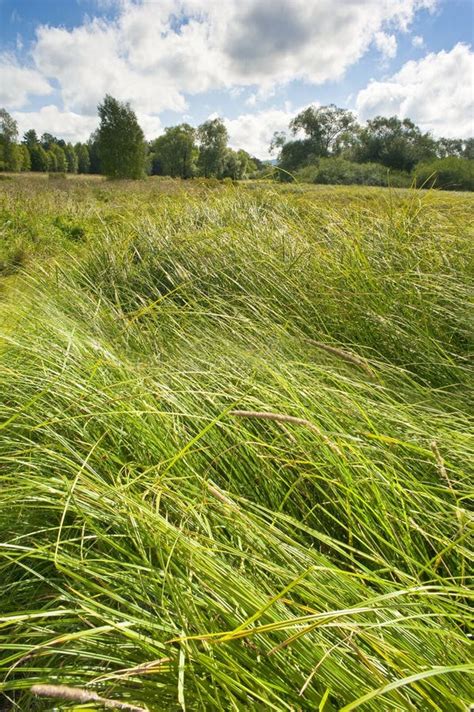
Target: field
<point x="235" y="447"/>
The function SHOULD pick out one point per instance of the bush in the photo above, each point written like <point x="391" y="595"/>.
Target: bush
<point x="446" y="173"/>
<point x="339" y="171"/>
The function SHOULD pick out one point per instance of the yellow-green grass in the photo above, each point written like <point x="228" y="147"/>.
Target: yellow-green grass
<point x="235" y="447"/>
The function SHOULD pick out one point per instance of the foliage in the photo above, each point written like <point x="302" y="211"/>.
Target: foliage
<point x="446" y="173"/>
<point x="83" y="159"/>
<point x="25" y="158"/>
<point x="39" y="159"/>
<point x="93" y="148"/>
<point x="71" y="158"/>
<point x="47" y="141"/>
<point x="395" y="143"/>
<point x="175" y="152"/>
<point x="212" y="139"/>
<point x="160" y="550"/>
<point x="57" y="161"/>
<point x="294" y="155"/>
<point x="10" y="159"/>
<point x="238" y="165"/>
<point x="327" y="128"/>
<point x="30" y="138"/>
<point x="332" y="132"/>
<point x="339" y="171"/>
<point x="121" y="141"/>
<point x="317" y="134"/>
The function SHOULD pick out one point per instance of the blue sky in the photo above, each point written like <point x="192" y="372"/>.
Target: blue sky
<point x="253" y="62"/>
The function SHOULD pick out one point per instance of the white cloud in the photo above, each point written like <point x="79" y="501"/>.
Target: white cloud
<point x="155" y="53"/>
<point x="151" y="125"/>
<point x="89" y="62"/>
<point x="64" y="124"/>
<point x="254" y="132"/>
<point x="74" y="127"/>
<point x="435" y="92"/>
<point x="17" y="83"/>
<point x="386" y="44"/>
<point x="418" y="41"/>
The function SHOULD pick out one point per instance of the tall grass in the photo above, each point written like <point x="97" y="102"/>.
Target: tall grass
<point x="235" y="440"/>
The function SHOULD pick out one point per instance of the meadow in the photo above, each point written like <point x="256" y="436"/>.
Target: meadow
<point x="235" y="446"/>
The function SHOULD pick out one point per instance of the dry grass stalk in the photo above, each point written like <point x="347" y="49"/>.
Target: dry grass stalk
<point x="345" y="355"/>
<point x="221" y="496"/>
<point x="444" y="474"/>
<point x="146" y="668"/>
<point x="282" y="418"/>
<point x="440" y="463"/>
<point x="290" y="437"/>
<point x="78" y="694"/>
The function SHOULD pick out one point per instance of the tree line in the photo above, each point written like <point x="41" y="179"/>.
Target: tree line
<point x="316" y="135"/>
<point x="331" y="132"/>
<point x="118" y="149"/>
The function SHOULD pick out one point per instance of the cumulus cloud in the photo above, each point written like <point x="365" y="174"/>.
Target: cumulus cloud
<point x="67" y="124"/>
<point x="435" y="92"/>
<point x="74" y="127"/>
<point x="254" y="132"/>
<point x="155" y="53"/>
<point x="386" y="44"/>
<point x="17" y="83"/>
<point x="88" y="62"/>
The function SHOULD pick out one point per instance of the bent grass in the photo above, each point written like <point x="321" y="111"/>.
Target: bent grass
<point x="235" y="454"/>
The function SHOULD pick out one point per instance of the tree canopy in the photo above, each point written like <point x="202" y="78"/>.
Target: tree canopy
<point x="324" y="127"/>
<point x="175" y="152"/>
<point x="9" y="156"/>
<point x="121" y="141"/>
<point x="212" y="138"/>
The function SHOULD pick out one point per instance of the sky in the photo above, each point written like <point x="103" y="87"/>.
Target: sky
<point x="255" y="63"/>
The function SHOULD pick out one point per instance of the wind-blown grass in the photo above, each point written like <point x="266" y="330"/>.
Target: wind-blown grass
<point x="235" y="440"/>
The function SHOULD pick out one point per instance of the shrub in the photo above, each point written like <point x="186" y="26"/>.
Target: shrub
<point x="450" y="173"/>
<point x="339" y="171"/>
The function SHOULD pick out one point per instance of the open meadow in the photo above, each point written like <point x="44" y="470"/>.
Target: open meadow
<point x="236" y="443"/>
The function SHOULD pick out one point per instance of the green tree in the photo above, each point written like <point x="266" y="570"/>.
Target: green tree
<point x="83" y="160"/>
<point x="52" y="161"/>
<point x="238" y="164"/>
<point x="248" y="164"/>
<point x="324" y="131"/>
<point x="39" y="159"/>
<point x="175" y="152"/>
<point x="30" y="138"/>
<point x="9" y="155"/>
<point x="395" y="143"/>
<point x="25" y="158"/>
<point x="47" y="140"/>
<point x="71" y="158"/>
<point x="232" y="167"/>
<point x="468" y="151"/>
<point x="93" y="147"/>
<point x="212" y="138"/>
<point x="122" y="146"/>
<point x="295" y="154"/>
<point x="57" y="162"/>
<point x="449" y="147"/>
<point x="327" y="128"/>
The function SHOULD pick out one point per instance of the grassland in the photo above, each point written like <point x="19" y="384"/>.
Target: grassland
<point x="235" y="442"/>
